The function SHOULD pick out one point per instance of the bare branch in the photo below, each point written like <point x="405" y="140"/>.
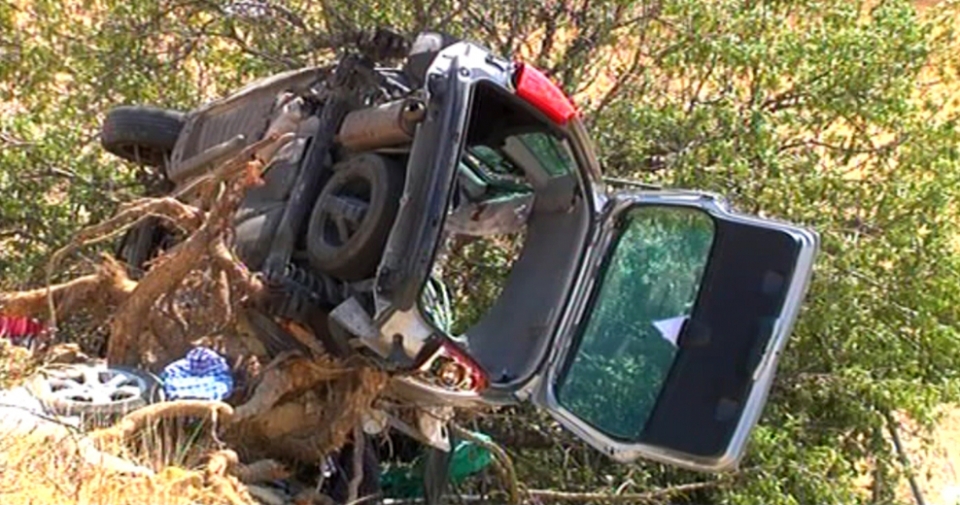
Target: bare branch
<point x="504" y="462"/>
<point x="109" y="285"/>
<point x="353" y="490"/>
<point x="215" y="412"/>
<point x="549" y="494"/>
<point x="550" y="31"/>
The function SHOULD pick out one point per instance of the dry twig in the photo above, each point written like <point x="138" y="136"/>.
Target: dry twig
<point x="561" y="496"/>
<point x="504" y="463"/>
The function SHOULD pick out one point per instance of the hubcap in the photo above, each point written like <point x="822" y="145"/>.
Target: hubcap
<point x="94" y="385"/>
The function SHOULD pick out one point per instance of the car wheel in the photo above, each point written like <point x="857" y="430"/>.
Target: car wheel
<point x="353" y="215"/>
<point x="95" y="390"/>
<point x="141" y="134"/>
<point x="143" y="243"/>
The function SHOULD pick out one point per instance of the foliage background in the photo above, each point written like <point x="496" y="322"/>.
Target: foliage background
<point x="836" y="114"/>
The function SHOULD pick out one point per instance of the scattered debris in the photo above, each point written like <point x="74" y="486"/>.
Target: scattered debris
<point x="21" y="331"/>
<point x="202" y="374"/>
<point x="183" y="319"/>
<point x="467" y="459"/>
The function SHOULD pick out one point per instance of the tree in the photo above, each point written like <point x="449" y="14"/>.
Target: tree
<point x="839" y="115"/>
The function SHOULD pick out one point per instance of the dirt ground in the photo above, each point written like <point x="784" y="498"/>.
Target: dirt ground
<point x="938" y="465"/>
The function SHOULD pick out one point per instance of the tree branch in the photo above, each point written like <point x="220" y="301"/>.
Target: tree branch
<point x="109" y="286"/>
<point x="504" y="462"/>
<point x="353" y="490"/>
<point x="549" y="494"/>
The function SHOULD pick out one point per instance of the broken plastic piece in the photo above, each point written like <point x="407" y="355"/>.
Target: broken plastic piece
<point x="22" y="331"/>
<point x="19" y="326"/>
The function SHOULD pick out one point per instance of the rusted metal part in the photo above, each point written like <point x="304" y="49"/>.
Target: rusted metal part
<point x="390" y="124"/>
<point x="209" y="158"/>
<point x="341" y="100"/>
<point x="246" y="112"/>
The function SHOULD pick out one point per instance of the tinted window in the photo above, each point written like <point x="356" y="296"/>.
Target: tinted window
<point x="628" y="342"/>
<point x="490" y="162"/>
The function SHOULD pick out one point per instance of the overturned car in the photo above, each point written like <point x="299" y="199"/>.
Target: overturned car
<point x="648" y="322"/>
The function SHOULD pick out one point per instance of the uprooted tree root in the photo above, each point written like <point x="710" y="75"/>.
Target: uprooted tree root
<point x="300" y="407"/>
<point x="109" y="286"/>
<point x="203" y="252"/>
<point x="281" y="418"/>
<point x="297" y="407"/>
<point x="201" y="248"/>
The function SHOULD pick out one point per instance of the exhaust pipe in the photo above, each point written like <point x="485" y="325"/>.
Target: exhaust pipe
<point x="387" y="125"/>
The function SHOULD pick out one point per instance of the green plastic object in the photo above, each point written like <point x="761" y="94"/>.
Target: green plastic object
<point x="406" y="481"/>
<point x="400" y="482"/>
<point x="469" y="459"/>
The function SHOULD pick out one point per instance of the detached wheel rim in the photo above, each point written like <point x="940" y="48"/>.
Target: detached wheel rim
<point x="343" y="211"/>
<point x="94" y="386"/>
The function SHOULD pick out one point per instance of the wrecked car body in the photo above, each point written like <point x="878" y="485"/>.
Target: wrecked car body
<point x="648" y="323"/>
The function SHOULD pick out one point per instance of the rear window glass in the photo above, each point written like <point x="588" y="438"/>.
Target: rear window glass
<point x="629" y="342"/>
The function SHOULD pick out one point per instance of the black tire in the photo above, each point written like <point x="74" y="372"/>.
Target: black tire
<point x="141" y="134"/>
<point x="142" y="243"/>
<point x="368" y="178"/>
<point x="338" y="486"/>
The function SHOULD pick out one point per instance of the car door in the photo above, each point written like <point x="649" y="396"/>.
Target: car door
<point x="670" y="342"/>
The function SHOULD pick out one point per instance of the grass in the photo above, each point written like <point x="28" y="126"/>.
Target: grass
<point x="32" y="473"/>
<point x="15" y="364"/>
<point x="42" y="465"/>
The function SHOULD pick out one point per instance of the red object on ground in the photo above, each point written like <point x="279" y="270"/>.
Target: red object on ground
<point x="14" y="327"/>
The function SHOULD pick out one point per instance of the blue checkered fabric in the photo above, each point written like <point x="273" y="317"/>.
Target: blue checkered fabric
<point x="202" y="374"/>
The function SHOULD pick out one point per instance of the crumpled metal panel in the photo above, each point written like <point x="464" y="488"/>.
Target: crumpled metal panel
<point x="249" y="117"/>
<point x="246" y="112"/>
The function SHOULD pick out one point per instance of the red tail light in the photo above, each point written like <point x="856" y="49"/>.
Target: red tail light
<point x="451" y="368"/>
<point x="538" y="90"/>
